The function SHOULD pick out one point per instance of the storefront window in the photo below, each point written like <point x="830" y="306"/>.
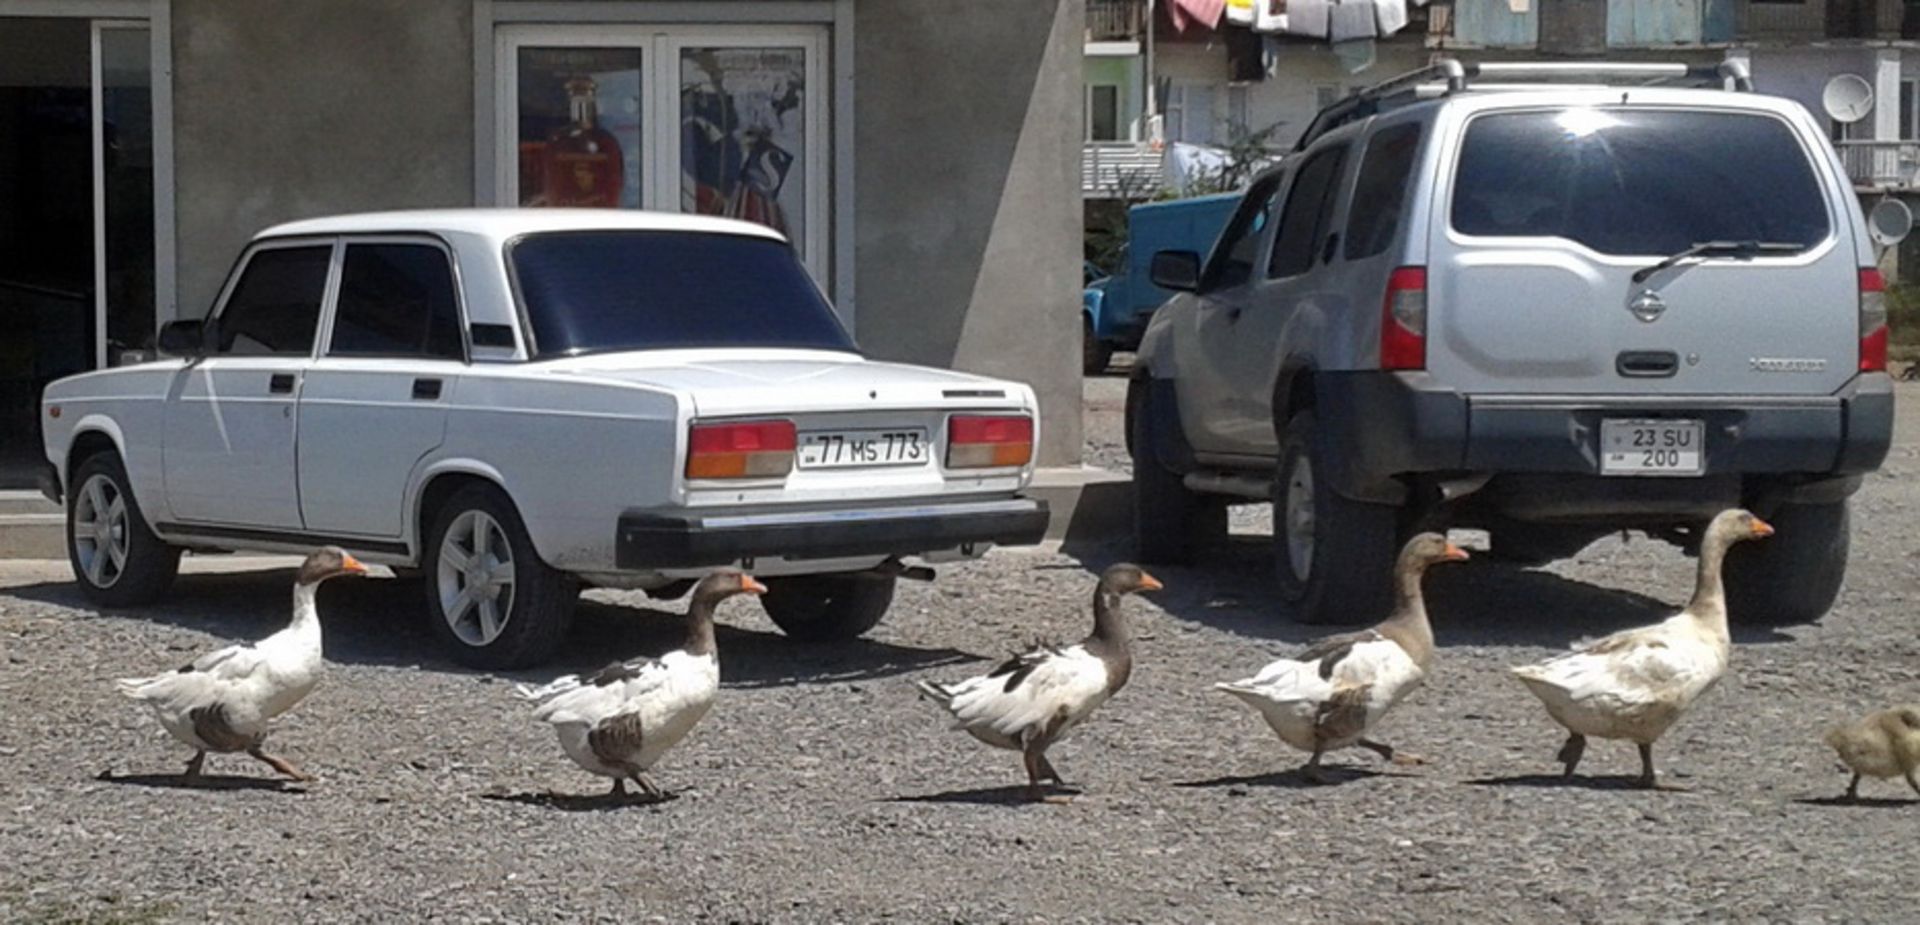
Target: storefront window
<point x="580" y="127"/>
<point x="743" y="136"/>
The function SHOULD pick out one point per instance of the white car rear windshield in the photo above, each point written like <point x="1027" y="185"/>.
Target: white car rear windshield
<point x="598" y="291"/>
<point x="1638" y="182"/>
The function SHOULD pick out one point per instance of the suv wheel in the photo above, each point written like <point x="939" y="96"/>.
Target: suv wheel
<point x="1794" y="577"/>
<point x="116" y="558"/>
<point x="489" y="596"/>
<point x="827" y="608"/>
<point x="1095" y="356"/>
<point x="1171" y="522"/>
<point x="1334" y="556"/>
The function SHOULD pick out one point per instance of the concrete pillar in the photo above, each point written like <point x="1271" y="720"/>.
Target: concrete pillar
<point x="967" y="185"/>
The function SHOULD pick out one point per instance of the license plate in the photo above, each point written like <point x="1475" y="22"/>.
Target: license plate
<point x="1635" y="446"/>
<point x="845" y="449"/>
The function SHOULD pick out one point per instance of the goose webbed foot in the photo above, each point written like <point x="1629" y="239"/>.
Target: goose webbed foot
<point x="1392" y="755"/>
<point x="195" y="764"/>
<point x="1313" y="772"/>
<point x="279" y="764"/>
<point x="1853" y="789"/>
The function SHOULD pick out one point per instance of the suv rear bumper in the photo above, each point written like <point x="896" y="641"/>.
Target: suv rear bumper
<point x="696" y="538"/>
<point x="1398" y="423"/>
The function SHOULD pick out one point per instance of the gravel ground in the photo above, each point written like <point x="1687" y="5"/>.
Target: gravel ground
<point x="820" y="790"/>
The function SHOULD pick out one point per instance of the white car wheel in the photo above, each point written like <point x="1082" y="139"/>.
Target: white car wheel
<point x="476" y="578"/>
<point x="100" y="535"/>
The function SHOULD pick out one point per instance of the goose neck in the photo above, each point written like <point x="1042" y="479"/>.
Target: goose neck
<point x="700" y="637"/>
<point x="1109" y="624"/>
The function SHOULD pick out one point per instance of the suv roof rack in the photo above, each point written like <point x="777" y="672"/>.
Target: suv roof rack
<point x="1448" y="76"/>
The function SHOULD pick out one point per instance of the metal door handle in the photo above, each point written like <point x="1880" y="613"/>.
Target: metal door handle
<point x="281" y="384"/>
<point x="426" y="389"/>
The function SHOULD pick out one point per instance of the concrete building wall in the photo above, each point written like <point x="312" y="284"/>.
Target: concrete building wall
<point x="288" y="108"/>
<point x="967" y="145"/>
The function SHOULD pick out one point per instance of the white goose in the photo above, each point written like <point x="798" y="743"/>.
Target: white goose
<point x="1030" y="701"/>
<point x="1637" y="683"/>
<point x="1329" y="696"/>
<point x="620" y="720"/>
<point x="223" y="701"/>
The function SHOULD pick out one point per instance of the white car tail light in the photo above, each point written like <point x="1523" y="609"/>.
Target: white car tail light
<point x="989" y="441"/>
<point x="740" y="450"/>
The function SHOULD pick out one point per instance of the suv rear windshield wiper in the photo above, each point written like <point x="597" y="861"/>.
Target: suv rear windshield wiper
<point x="1742" y="249"/>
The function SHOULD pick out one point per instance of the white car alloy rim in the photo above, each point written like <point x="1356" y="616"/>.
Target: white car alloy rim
<point x="1299" y="518"/>
<point x="476" y="578"/>
<point x="100" y="530"/>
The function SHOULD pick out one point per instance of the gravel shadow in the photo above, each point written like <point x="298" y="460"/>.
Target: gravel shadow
<point x="379" y="621"/>
<point x="211" y="782"/>
<point x="1332" y="775"/>
<point x="1840" y="800"/>
<point x="1476" y="603"/>
<point x="1576" y="782"/>
<point x="582" y="802"/>
<point x="1010" y="795"/>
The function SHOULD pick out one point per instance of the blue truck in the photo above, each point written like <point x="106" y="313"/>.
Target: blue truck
<point x="1115" y="309"/>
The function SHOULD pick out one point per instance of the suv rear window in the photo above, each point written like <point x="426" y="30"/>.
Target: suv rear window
<point x="1637" y="182"/>
<point x="596" y="291"/>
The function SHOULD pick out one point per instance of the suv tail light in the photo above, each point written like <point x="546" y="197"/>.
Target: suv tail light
<point x="744" y="450"/>
<point x="989" y="441"/>
<point x="1873" y="321"/>
<point x="1403" y="320"/>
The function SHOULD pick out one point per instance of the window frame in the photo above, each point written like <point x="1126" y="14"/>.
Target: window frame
<point x="323" y="320"/>
<point x="1210" y="272"/>
<point x="1404" y="208"/>
<point x="1324" y="216"/>
<point x="332" y="308"/>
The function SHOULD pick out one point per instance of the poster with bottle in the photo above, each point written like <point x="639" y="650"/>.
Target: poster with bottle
<point x="743" y="135"/>
<point x="579" y="131"/>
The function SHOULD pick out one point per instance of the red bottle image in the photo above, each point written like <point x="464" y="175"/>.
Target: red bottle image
<point x="583" y="166"/>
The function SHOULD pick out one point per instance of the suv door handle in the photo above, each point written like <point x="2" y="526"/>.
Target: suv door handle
<point x="281" y="384"/>
<point x="426" y="389"/>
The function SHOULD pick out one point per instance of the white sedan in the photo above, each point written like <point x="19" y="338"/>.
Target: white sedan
<point x="517" y="403"/>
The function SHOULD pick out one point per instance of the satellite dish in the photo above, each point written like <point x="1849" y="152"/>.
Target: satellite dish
<point x="1889" y="222"/>
<point x="1847" y="98"/>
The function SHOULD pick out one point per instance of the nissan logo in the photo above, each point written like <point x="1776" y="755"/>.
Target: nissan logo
<point x="1647" y="306"/>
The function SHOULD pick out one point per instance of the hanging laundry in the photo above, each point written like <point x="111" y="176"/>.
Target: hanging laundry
<point x="1309" y="17"/>
<point x="1355" y="56"/>
<point x="1390" y="16"/>
<point x="1518" y="6"/>
<point x="1240" y="12"/>
<point x="1205" y="12"/>
<point x="1351" y="19"/>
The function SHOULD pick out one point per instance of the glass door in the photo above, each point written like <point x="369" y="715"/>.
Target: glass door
<point x="728" y="121"/>
<point x="77" y="272"/>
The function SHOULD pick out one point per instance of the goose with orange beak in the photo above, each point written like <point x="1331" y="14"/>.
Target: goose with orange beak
<point x="620" y="720"/>
<point x="1331" y="695"/>
<point x="224" y="700"/>
<point x="1637" y="683"/>
<point x="1032" y="699"/>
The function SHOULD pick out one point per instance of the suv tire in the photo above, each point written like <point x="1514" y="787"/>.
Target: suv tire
<point x="114" y="528"/>
<point x="827" y="608"/>
<point x="530" y="612"/>
<point x="1794" y="577"/>
<point x="1095" y="356"/>
<point x="1333" y="556"/>
<point x="1171" y="522"/>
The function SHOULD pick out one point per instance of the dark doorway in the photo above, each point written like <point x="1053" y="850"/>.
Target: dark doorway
<point x="54" y="257"/>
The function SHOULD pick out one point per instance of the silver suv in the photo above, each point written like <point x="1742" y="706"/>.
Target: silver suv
<point x="1550" y="310"/>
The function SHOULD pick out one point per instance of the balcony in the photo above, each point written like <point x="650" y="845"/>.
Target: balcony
<point x="1881" y="165"/>
<point x="1115" y="20"/>
<point x="1120" y="170"/>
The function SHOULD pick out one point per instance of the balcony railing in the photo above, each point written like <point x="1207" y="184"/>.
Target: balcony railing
<point x="1120" y="170"/>
<point x="1881" y="165"/>
<point x="1115" y="20"/>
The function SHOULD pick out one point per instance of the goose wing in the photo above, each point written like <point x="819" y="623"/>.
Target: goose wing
<point x="1028" y="691"/>
<point x="589" y="698"/>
